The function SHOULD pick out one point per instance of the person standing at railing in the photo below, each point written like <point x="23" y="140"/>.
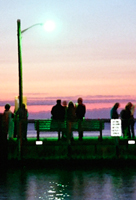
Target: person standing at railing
<point x="114" y="115"/>
<point x="113" y="112"/>
<point x="71" y="118"/>
<point x="58" y="114"/>
<point x="125" y="119"/>
<point x="64" y="133"/>
<point x="22" y="113"/>
<point x="58" y="111"/>
<point x="8" y="123"/>
<point x="131" y="121"/>
<point x="80" y="113"/>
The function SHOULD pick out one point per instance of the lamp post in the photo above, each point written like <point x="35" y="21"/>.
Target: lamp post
<point x="20" y="62"/>
<point x="49" y="26"/>
<point x="19" y="37"/>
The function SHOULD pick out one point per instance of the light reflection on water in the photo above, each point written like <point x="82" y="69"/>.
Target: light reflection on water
<point x="73" y="184"/>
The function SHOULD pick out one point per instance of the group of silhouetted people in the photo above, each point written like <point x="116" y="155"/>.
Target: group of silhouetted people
<point x="14" y="124"/>
<point x="127" y="118"/>
<point x="63" y="111"/>
<point x="70" y="113"/>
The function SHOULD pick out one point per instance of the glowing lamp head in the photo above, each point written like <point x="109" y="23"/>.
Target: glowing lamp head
<point x="49" y="26"/>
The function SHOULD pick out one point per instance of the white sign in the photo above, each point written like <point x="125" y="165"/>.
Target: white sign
<point x="39" y="142"/>
<point x="131" y="141"/>
<point x="116" y="127"/>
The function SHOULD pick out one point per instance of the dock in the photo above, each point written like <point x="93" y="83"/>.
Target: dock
<point x="90" y="149"/>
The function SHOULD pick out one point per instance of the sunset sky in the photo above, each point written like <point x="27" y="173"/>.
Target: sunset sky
<point x="91" y="52"/>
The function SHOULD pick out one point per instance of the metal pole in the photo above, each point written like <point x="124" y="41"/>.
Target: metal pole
<point x="19" y="36"/>
<point x="20" y="62"/>
<point x="20" y="87"/>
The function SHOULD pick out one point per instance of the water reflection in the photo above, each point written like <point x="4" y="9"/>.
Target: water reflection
<point x="98" y="183"/>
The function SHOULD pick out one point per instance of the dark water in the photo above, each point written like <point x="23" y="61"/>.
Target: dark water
<point x="68" y="183"/>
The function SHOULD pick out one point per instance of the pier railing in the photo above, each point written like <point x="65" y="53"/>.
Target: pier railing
<point x="33" y="121"/>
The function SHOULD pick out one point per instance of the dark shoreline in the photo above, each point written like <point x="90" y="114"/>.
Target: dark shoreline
<point x="90" y="152"/>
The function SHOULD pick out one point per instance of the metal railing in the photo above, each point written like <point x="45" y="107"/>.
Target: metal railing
<point x="32" y="121"/>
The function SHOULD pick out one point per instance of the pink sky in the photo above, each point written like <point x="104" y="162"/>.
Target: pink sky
<point x="96" y="106"/>
<point x="91" y="51"/>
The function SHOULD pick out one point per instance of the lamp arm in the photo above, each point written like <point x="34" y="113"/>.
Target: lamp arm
<point x="31" y="27"/>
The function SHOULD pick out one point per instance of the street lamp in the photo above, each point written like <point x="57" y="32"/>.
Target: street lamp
<point x="19" y="32"/>
<point x="49" y="26"/>
<point x="19" y="61"/>
<point x="19" y="36"/>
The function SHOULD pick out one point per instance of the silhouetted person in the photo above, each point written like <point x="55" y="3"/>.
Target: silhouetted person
<point x="80" y="113"/>
<point x="8" y="121"/>
<point x="125" y="118"/>
<point x="113" y="113"/>
<point x="71" y="117"/>
<point x="3" y="142"/>
<point x="58" y="114"/>
<point x="58" y="111"/>
<point x="23" y="120"/>
<point x="15" y="124"/>
<point x="64" y="103"/>
<point x="64" y="133"/>
<point x="132" y="121"/>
